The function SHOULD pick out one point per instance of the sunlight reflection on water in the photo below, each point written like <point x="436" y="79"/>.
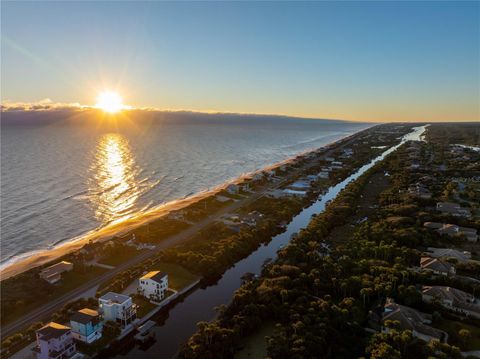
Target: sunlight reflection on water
<point x="113" y="182"/>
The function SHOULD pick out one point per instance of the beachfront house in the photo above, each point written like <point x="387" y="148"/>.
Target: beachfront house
<point x="86" y="325"/>
<point x="55" y="341"/>
<point x="232" y="188"/>
<point x="153" y="285"/>
<point x="453" y="299"/>
<point x="437" y="266"/>
<point x="53" y="273"/>
<point x="118" y="308"/>
<point x="411" y="319"/>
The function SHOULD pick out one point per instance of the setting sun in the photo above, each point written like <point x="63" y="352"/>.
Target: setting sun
<point x="110" y="101"/>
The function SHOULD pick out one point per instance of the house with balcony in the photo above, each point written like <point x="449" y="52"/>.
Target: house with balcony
<point x="453" y="299"/>
<point x="410" y="319"/>
<point x="452" y="230"/>
<point x="437" y="266"/>
<point x="117" y="308"/>
<point x="86" y="325"/>
<point x="153" y="285"/>
<point x="55" y="341"/>
<point x="453" y="209"/>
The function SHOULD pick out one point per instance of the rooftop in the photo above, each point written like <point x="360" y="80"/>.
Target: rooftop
<point x="52" y="330"/>
<point x="114" y="297"/>
<point x="85" y="316"/>
<point x="156" y="276"/>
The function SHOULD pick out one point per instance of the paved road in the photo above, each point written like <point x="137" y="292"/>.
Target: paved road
<point x="49" y="308"/>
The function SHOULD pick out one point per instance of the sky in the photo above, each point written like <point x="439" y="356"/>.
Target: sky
<point x="369" y="61"/>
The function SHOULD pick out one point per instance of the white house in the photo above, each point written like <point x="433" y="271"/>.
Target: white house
<point x="153" y="285"/>
<point x="118" y="308"/>
<point x="55" y="341"/>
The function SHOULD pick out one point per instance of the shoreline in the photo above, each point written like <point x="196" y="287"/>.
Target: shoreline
<point x="30" y="260"/>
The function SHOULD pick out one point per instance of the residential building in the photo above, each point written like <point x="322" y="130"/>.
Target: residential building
<point x="53" y="273"/>
<point x="460" y="256"/>
<point x="86" y="325"/>
<point x="411" y="319"/>
<point x="232" y="188"/>
<point x="117" y="308"/>
<point x="453" y="209"/>
<point x="436" y="266"/>
<point x="451" y="298"/>
<point x="452" y="230"/>
<point x="55" y="341"/>
<point x="419" y="191"/>
<point x="153" y="285"/>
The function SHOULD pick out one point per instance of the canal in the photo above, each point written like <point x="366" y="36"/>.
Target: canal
<point x="199" y="305"/>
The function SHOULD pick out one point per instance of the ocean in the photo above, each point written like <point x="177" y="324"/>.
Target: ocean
<point x="62" y="179"/>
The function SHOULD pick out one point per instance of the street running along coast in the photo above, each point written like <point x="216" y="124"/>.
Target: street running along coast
<point x="385" y="135"/>
<point x="116" y="229"/>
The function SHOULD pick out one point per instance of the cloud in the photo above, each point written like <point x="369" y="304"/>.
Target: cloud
<point x="42" y="105"/>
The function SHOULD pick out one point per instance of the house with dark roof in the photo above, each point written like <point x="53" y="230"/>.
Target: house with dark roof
<point x="407" y="318"/>
<point x="55" y="341"/>
<point x="452" y="230"/>
<point x="53" y="273"/>
<point x="445" y="253"/>
<point x="86" y="325"/>
<point x="452" y="298"/>
<point x="437" y="266"/>
<point x="453" y="209"/>
<point x="153" y="285"/>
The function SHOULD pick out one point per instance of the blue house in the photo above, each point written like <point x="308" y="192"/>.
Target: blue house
<point x="86" y="325"/>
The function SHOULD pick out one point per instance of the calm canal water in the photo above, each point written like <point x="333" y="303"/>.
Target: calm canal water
<point x="199" y="305"/>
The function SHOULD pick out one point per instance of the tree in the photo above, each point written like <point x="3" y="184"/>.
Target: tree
<point x="464" y="335"/>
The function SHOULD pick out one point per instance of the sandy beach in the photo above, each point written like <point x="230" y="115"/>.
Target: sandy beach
<point x="38" y="258"/>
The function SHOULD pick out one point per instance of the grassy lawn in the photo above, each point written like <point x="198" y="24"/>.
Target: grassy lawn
<point x="22" y="296"/>
<point x="178" y="277"/>
<point x="453" y="327"/>
<point x="255" y="345"/>
<point x="144" y="306"/>
<point x="118" y="258"/>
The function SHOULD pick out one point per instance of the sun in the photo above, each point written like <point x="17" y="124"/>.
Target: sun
<point x="110" y="102"/>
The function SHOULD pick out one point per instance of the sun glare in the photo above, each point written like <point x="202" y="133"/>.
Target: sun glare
<point x="110" y="102"/>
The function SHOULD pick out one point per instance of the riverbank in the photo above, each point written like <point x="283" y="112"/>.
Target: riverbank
<point x="41" y="257"/>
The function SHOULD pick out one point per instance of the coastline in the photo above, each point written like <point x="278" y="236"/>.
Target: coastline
<point x="40" y="257"/>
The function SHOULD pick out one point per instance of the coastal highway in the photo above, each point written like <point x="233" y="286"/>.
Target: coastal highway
<point x="43" y="312"/>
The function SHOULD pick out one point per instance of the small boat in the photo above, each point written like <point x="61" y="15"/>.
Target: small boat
<point x="144" y="332"/>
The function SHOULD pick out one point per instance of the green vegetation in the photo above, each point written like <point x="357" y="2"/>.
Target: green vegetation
<point x="470" y="341"/>
<point x="255" y="345"/>
<point x="27" y="291"/>
<point x="118" y="253"/>
<point x="322" y="300"/>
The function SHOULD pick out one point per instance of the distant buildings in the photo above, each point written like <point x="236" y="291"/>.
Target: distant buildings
<point x="55" y="341"/>
<point x="153" y="285"/>
<point x="86" y="325"/>
<point x="453" y="230"/>
<point x="118" y="308"/>
<point x="419" y="191"/>
<point x="53" y="273"/>
<point x="411" y="319"/>
<point x="460" y="256"/>
<point x="232" y="189"/>
<point x="437" y="266"/>
<point x="453" y="209"/>
<point x="453" y="299"/>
